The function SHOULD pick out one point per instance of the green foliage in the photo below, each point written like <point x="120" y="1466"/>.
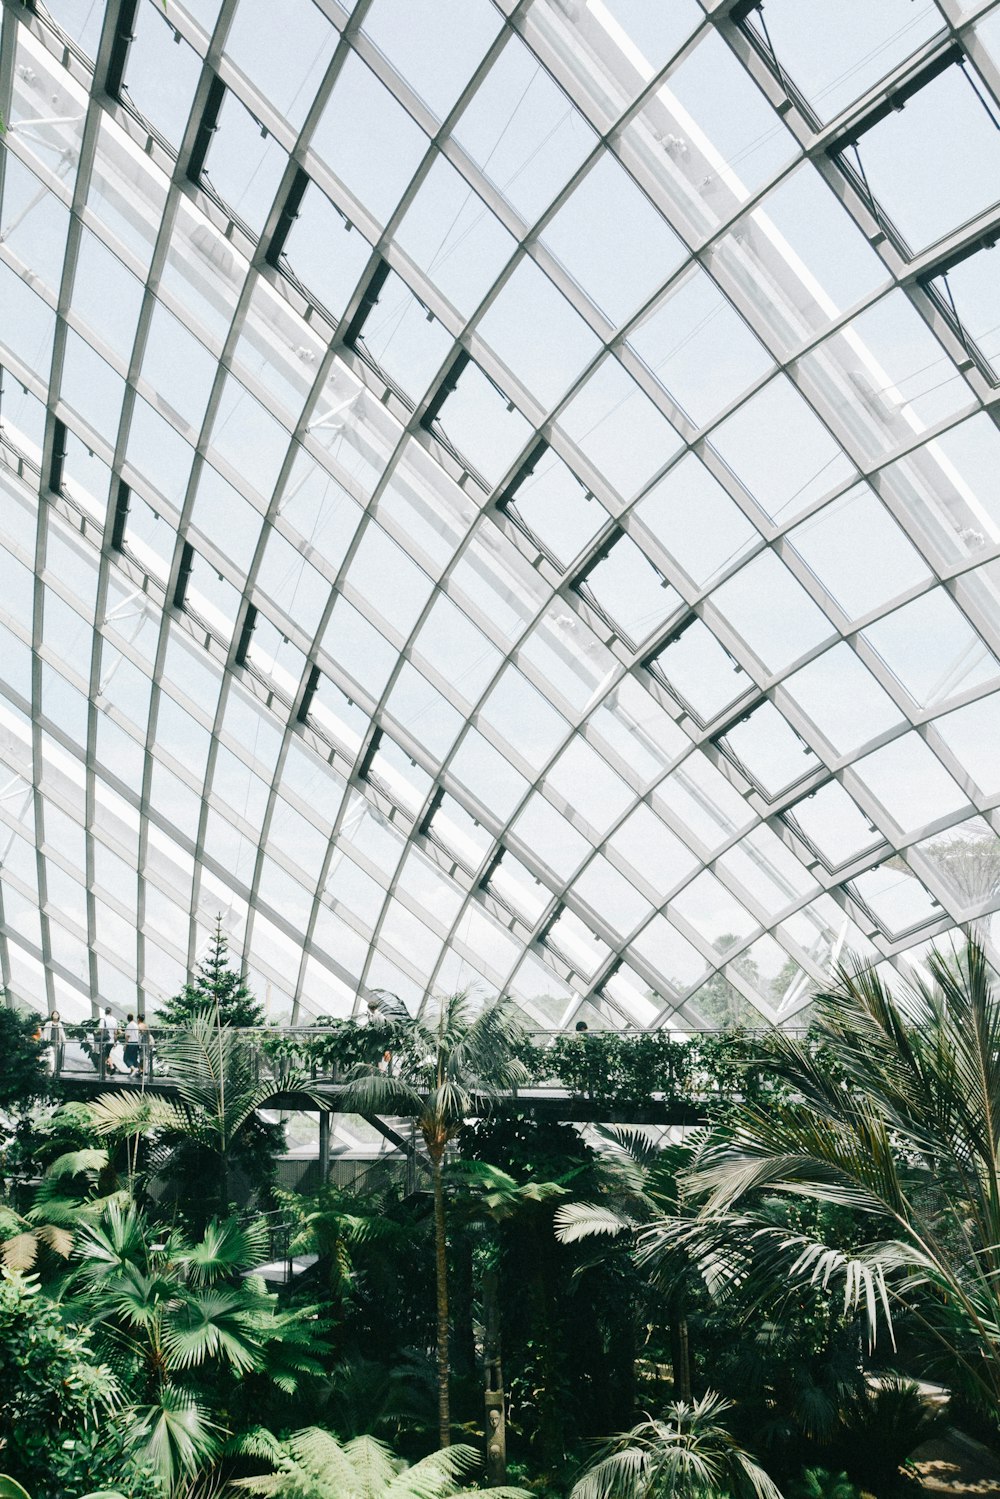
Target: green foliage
<point x="336" y="1047"/>
<point x="882" y="1425"/>
<point x="103" y="1456"/>
<point x="216" y="988"/>
<point x="52" y="1387"/>
<point x="893" y="1117"/>
<point x="23" y="1077"/>
<point x="687" y="1454"/>
<point x="819" y="1483"/>
<point x="186" y="1328"/>
<point x="618" y="1068"/>
<point x="312" y="1464"/>
<point x="212" y="1129"/>
<point x="366" y="1398"/>
<point x="469" y="1054"/>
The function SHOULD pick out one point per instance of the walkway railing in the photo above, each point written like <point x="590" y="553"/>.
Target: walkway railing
<point x="603" y="1066"/>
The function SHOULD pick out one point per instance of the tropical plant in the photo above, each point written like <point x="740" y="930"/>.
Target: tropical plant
<point x="639" y="1185"/>
<point x="895" y="1115"/>
<point x="820" y="1483"/>
<point x="23" y="1077"/>
<point x="363" y="1397"/>
<point x="312" y="1464"/>
<point x="882" y="1424"/>
<point x="169" y="1312"/>
<point x="213" y="1126"/>
<point x="67" y="1195"/>
<point x="450" y="1067"/>
<point x="334" y="1224"/>
<point x="685" y="1454"/>
<point x="485" y="1196"/>
<point x="52" y="1385"/>
<point x="614" y="1069"/>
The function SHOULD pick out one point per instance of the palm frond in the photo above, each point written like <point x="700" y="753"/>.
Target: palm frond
<point x="581" y="1220"/>
<point x="136" y="1113"/>
<point x="173" y="1434"/>
<point x="226" y="1247"/>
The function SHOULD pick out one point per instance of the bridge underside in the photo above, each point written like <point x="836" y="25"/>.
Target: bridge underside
<point x="551" y="1105"/>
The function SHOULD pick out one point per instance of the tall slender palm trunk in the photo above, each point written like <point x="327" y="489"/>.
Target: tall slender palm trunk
<point x="441" y="1268"/>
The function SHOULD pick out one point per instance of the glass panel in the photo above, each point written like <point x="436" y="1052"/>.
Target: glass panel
<point x="245" y="164"/>
<point x="617" y="47"/>
<point x="286" y="62"/>
<point x="796" y="261"/>
<point x="612" y="241"/>
<point x="325" y="252"/>
<point x="909" y="783"/>
<point x="700" y="350"/>
<point x="367" y="139"/>
<point x="529" y="149"/>
<point x="836" y="56"/>
<point x="771" y="613"/>
<point x="966" y="862"/>
<point x="842" y="699"/>
<point x="701" y="673"/>
<point x="528" y="301"/>
<point x="405" y="341"/>
<point x="834" y="825"/>
<point x="482" y="425"/>
<point x="858" y="553"/>
<point x="434" y="44"/>
<point x="932" y="650"/>
<point x="161" y="73"/>
<point x="630" y="592"/>
<point x="617" y="427"/>
<point x="557" y="509"/>
<point x="698" y="526"/>
<point x="955" y="139"/>
<point x="452" y="237"/>
<point x="769" y="750"/>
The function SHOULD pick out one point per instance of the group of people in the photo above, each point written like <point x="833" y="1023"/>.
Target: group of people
<point x="124" y="1049"/>
<point x="132" y="1037"/>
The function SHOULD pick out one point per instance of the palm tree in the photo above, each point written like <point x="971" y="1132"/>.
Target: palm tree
<point x="447" y="1070"/>
<point x="214" y="1124"/>
<point x="686" y="1454"/>
<point x="76" y="1187"/>
<point x="312" y="1464"/>
<point x="486" y="1197"/>
<point x="894" y="1113"/>
<point x="165" y="1309"/>
<point x="640" y="1187"/>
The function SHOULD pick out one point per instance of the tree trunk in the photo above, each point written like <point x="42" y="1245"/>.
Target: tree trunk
<point x="464" y="1362"/>
<point x="496" y="1423"/>
<point x="441" y="1268"/>
<point x="680" y="1355"/>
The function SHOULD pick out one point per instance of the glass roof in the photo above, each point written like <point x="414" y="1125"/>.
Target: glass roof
<point x="497" y="493"/>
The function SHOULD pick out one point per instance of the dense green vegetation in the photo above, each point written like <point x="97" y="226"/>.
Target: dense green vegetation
<point x="527" y="1305"/>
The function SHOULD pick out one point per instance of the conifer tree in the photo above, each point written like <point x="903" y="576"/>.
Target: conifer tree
<point x="216" y="988"/>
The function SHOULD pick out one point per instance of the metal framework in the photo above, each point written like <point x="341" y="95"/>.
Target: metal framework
<point x="497" y="495"/>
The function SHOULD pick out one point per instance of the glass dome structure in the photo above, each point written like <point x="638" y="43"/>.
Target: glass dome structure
<point x="497" y="494"/>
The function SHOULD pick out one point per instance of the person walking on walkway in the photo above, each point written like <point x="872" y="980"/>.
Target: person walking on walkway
<point x="107" y="1031"/>
<point x="54" y="1035"/>
<point x="131" y="1045"/>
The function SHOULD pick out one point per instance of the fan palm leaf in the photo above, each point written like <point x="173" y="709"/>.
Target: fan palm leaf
<point x="174" y="1434"/>
<point x="686" y="1454"/>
